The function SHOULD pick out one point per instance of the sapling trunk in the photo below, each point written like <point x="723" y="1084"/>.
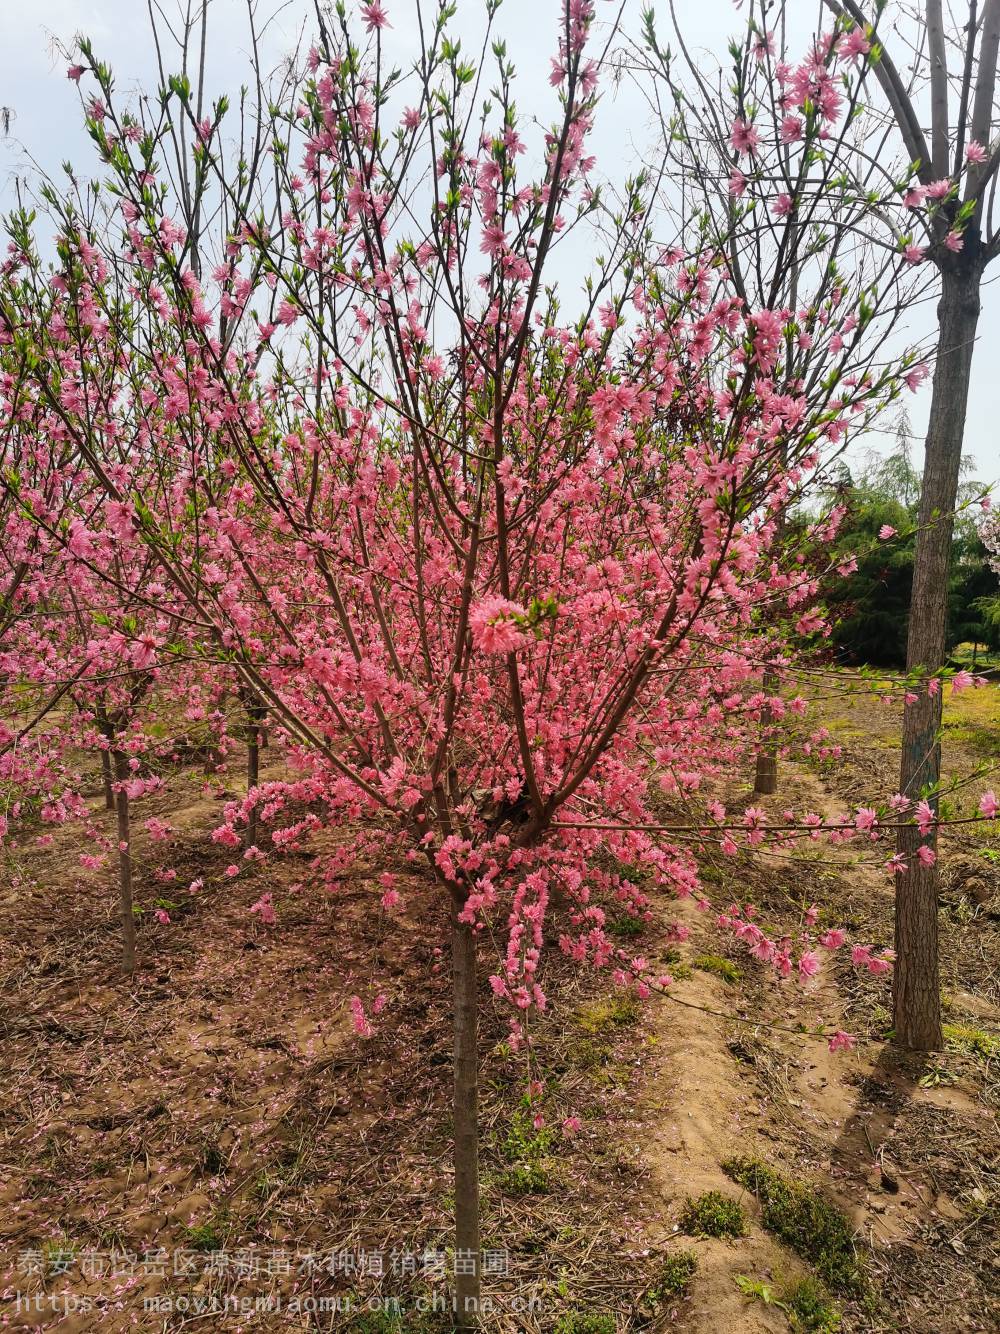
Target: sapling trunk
<point x="766" y="777"/>
<point x="256" y="714"/>
<point x="109" y="780"/>
<point x="466" y="1119"/>
<point x="916" y="985"/>
<point x="125" y="863"/>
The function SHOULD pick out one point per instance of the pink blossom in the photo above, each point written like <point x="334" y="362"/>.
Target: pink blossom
<point x="808" y="964"/>
<point x="494" y="241"/>
<point x="375" y="16"/>
<point x="940" y="189"/>
<point x="975" y="152"/>
<point x="886" y="531"/>
<point x="358" y="1018"/>
<point x="264" y="907"/>
<point x="926" y="818"/>
<point x="493" y="627"/>
<point x="841" y="1041"/>
<point x="853" y="44"/>
<point x="744" y="137"/>
<point x="988" y="804"/>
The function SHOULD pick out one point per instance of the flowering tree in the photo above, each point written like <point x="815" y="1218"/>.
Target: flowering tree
<point x="908" y="165"/>
<point x="948" y="122"/>
<point x="497" y="572"/>
<point x="771" y="162"/>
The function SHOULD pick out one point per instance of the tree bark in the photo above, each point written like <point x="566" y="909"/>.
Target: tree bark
<point x="256" y="713"/>
<point x="125" y="863"/>
<point x="109" y="780"/>
<point x="466" y="1118"/>
<point x="766" y="777"/>
<point x="916" y="986"/>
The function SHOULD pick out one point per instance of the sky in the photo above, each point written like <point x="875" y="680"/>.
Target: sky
<point x="46" y="128"/>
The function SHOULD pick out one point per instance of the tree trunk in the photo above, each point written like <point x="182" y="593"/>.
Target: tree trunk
<point x="466" y="1117"/>
<point x="109" y="779"/>
<point x="256" y="713"/>
<point x="125" y="863"/>
<point x="766" y="778"/>
<point x="916" y="987"/>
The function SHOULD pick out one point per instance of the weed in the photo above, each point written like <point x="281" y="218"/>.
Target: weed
<point x="936" y="1076"/>
<point x="574" y="1323"/>
<point x="677" y="1272"/>
<point x="590" y="1055"/>
<point x="204" y="1236"/>
<point x="527" y="1150"/>
<point x="625" y="927"/>
<point x="601" y="1018"/>
<point x="58" y="1254"/>
<point x="599" y="1023"/>
<point x="805" y="1220"/>
<point x="713" y="1215"/>
<point x="211" y="1160"/>
<point x="810" y="1307"/>
<point x="721" y="968"/>
<point x="974" y="1041"/>
<point x="757" y="1291"/>
<point x="396" y="1322"/>
<point x="712" y="874"/>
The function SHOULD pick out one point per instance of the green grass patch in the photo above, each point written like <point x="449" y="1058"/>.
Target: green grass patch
<point x="204" y="1236"/>
<point x="713" y="1215"/>
<point x="528" y="1152"/>
<point x="580" y="1323"/>
<point x="807" y="1304"/>
<point x="810" y="1307"/>
<point x="972" y="1041"/>
<point x="601" y="1018"/>
<point x="804" y="1220"/>
<point x="626" y="927"/>
<point x="718" y="967"/>
<point x="675" y="1275"/>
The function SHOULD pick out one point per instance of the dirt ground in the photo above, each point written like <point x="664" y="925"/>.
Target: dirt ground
<point x="211" y="1144"/>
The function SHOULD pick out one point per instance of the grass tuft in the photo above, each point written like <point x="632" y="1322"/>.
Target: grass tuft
<point x="810" y="1307"/>
<point x="719" y="967"/>
<point x="713" y="1215"/>
<point x="973" y="1041"/>
<point x="585" y="1324"/>
<point x="804" y="1220"/>
<point x="675" y="1275"/>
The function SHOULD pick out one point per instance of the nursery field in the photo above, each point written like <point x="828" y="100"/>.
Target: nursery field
<point x="214" y="1143"/>
<point x="499" y="703"/>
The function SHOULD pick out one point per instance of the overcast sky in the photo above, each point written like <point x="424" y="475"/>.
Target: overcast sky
<point x="47" y="123"/>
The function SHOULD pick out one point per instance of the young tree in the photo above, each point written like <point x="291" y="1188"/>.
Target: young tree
<point x="767" y="163"/>
<point x="936" y="206"/>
